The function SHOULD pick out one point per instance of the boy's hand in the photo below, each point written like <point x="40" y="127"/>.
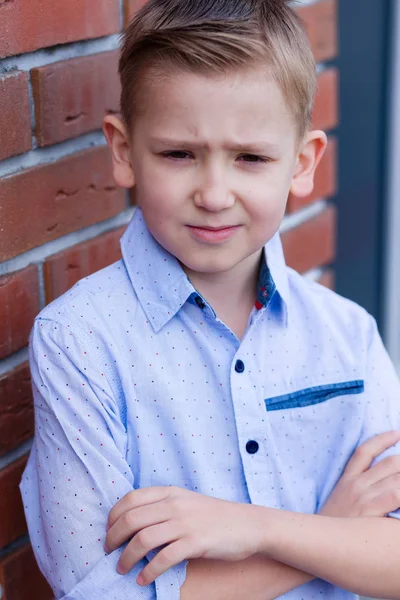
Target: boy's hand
<point x="365" y="491"/>
<point x="188" y="524"/>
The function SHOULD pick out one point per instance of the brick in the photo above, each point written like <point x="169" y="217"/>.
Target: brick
<point x="19" y="304"/>
<point x="325" y="115"/>
<point x="328" y="279"/>
<point x="63" y="270"/>
<point x="13" y="524"/>
<point x="21" y="579"/>
<point x="325" y="183"/>
<point x="27" y="25"/>
<point x="313" y="243"/>
<point x="16" y="409"/>
<point x="321" y="23"/>
<point x="49" y="201"/>
<point x="15" y="118"/>
<point x="72" y="96"/>
<point x="131" y="7"/>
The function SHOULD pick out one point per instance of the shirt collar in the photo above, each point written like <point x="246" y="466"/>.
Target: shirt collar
<point x="162" y="286"/>
<point x="274" y="269"/>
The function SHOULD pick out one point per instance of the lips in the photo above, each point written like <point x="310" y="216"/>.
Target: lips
<point x="208" y="228"/>
<point x="213" y="234"/>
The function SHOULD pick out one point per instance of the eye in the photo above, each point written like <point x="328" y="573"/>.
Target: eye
<point x="181" y="155"/>
<point x="176" y="155"/>
<point x="254" y="159"/>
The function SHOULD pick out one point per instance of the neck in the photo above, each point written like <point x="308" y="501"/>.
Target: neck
<point x="239" y="285"/>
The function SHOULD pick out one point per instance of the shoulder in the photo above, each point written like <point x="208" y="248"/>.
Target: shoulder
<point x="70" y="341"/>
<point x="81" y="324"/>
<point x="341" y="319"/>
<point x="91" y="297"/>
<point x="90" y="314"/>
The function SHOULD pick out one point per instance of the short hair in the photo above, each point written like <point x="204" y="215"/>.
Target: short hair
<point x="218" y="36"/>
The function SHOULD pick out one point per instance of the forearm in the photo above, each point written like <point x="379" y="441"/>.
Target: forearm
<point x="258" y="578"/>
<point x="361" y="555"/>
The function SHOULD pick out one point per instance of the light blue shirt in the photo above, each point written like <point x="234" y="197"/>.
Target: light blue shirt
<point x="137" y="383"/>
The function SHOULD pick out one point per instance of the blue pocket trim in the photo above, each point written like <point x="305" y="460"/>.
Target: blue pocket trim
<point x="314" y="395"/>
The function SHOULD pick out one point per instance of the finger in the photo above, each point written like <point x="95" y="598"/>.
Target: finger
<point x="388" y="501"/>
<point x="133" y="521"/>
<point x="146" y="540"/>
<point x="135" y="499"/>
<point x="385" y="486"/>
<point x="386" y="468"/>
<point x="168" y="557"/>
<point x="365" y="454"/>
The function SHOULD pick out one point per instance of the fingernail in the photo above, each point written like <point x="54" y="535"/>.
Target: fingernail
<point x="140" y="580"/>
<point x="107" y="549"/>
<point x="107" y="527"/>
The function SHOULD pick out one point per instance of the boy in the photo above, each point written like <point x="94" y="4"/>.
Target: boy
<point x="200" y="361"/>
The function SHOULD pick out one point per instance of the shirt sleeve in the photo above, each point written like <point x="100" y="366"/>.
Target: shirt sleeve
<point x="77" y="471"/>
<point x="382" y="392"/>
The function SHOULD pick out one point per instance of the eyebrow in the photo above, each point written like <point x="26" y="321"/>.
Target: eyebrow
<point x="257" y="147"/>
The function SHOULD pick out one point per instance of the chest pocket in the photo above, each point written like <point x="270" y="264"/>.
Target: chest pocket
<point x="314" y="395"/>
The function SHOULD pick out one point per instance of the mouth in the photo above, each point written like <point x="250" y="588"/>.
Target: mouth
<point x="207" y="228"/>
<point x="213" y="234"/>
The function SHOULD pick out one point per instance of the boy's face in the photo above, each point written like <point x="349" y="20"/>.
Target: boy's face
<point x="213" y="160"/>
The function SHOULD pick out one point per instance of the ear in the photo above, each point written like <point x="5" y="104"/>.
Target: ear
<point x="311" y="151"/>
<point x="117" y="138"/>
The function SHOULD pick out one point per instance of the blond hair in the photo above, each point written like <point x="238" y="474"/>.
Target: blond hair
<point x="218" y="36"/>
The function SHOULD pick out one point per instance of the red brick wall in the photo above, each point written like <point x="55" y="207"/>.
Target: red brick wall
<point x="61" y="215"/>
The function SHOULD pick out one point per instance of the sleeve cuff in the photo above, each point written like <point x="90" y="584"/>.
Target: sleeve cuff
<point x="104" y="581"/>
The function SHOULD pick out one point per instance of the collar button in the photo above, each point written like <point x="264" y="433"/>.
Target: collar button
<point x="199" y="302"/>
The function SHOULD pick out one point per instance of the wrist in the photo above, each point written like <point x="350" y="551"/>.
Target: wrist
<point x="263" y="519"/>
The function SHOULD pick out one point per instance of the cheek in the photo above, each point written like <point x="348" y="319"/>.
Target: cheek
<point x="153" y="197"/>
<point x="158" y="189"/>
<point x="267" y="210"/>
<point x="270" y="201"/>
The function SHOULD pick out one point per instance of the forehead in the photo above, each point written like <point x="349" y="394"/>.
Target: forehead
<point x="211" y="105"/>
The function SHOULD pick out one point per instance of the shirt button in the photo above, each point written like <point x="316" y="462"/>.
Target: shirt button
<point x="252" y="447"/>
<point x="199" y="302"/>
<point x="239" y="367"/>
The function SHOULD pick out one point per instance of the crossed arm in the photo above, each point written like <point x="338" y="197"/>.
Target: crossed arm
<point x="258" y="577"/>
<point x="349" y="544"/>
<point x="77" y="473"/>
<point x="245" y="548"/>
<point x="354" y="567"/>
<point x="362" y="492"/>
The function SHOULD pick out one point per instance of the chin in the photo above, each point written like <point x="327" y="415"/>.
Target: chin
<point x="209" y="267"/>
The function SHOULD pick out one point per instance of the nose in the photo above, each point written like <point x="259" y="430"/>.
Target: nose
<point x="213" y="192"/>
